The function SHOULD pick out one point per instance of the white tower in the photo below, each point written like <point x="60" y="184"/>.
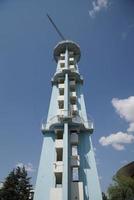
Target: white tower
<point x="67" y="169"/>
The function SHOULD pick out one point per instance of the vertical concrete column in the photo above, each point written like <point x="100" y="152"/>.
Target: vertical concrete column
<point x="66" y="95"/>
<point x="65" y="163"/>
<point x="66" y="135"/>
<point x="67" y="59"/>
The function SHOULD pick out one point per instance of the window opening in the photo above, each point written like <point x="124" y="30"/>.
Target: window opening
<point x="62" y="56"/>
<point x="74" y="150"/>
<point x="58" y="180"/>
<point x="72" y="79"/>
<point x="61" y="91"/>
<point x="73" y="131"/>
<point x="59" y="152"/>
<point x="72" y="101"/>
<point x="72" y="89"/>
<point x="71" y="53"/>
<point x="61" y="105"/>
<point x="72" y="66"/>
<point x="62" y="65"/>
<point x="59" y="135"/>
<point x="74" y="138"/>
<point x="75" y="174"/>
<point x="60" y="80"/>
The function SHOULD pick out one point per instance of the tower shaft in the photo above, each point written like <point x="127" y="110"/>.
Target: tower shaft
<point x="67" y="169"/>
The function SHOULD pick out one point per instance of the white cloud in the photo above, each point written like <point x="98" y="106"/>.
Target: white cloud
<point x="125" y="108"/>
<point x="98" y="5"/>
<point x="29" y="167"/>
<point x="131" y="127"/>
<point x="117" y="140"/>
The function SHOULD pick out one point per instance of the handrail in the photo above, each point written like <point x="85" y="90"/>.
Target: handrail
<point x="75" y="119"/>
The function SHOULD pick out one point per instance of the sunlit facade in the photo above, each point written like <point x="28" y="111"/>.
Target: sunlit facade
<point x="67" y="169"/>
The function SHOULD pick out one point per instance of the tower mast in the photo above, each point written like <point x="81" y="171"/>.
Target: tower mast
<point x="56" y="28"/>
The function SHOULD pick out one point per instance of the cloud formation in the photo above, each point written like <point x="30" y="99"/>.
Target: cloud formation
<point x="97" y="6"/>
<point x="29" y="167"/>
<point x="125" y="109"/>
<point x="117" y="140"/>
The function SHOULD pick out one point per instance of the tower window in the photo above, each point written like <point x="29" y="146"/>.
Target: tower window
<point x="61" y="91"/>
<point x="73" y="131"/>
<point x="61" y="80"/>
<point x="59" y="152"/>
<point x="74" y="150"/>
<point x="74" y="138"/>
<point x="61" y="105"/>
<point x="59" y="135"/>
<point x="72" y="89"/>
<point x="58" y="180"/>
<point x="62" y="56"/>
<point x="75" y="174"/>
<point x="62" y="65"/>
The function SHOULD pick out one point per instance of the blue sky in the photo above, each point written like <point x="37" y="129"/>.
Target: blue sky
<point x="104" y="29"/>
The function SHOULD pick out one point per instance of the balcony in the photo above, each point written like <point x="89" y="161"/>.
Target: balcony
<point x="58" y="167"/>
<point x="50" y="124"/>
<point x="89" y="125"/>
<point x="85" y="125"/>
<point x="75" y="161"/>
<point x="73" y="117"/>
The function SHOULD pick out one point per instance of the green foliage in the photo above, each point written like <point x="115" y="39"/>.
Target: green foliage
<point x="104" y="197"/>
<point x="16" y="186"/>
<point x="121" y="189"/>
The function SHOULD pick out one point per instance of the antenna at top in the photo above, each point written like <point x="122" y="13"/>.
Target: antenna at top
<point x="56" y="28"/>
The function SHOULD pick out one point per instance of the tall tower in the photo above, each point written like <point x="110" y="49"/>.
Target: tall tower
<point x="67" y="169"/>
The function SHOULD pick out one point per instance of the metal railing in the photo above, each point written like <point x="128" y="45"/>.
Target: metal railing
<point x="74" y="119"/>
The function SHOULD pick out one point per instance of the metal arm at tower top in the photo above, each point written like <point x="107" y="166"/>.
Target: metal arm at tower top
<point x="56" y="28"/>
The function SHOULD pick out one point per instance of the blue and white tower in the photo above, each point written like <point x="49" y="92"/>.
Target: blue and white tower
<point x="67" y="169"/>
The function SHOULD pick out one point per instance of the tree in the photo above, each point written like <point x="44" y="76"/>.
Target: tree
<point x="122" y="188"/>
<point x="16" y="186"/>
<point x="104" y="197"/>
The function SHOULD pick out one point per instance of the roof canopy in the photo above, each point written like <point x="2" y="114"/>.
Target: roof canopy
<point x="67" y="44"/>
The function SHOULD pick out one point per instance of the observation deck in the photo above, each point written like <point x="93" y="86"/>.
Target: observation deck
<point x="67" y="44"/>
<point x="74" y="122"/>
